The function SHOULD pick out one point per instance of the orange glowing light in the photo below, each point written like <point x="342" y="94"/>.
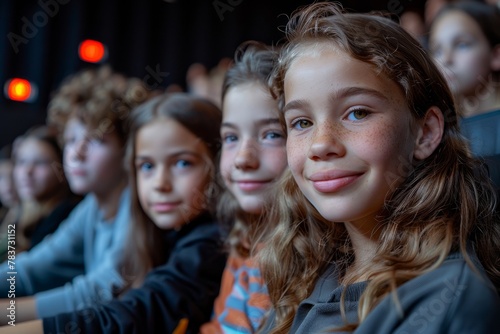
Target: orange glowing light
<point x="92" y="51"/>
<point x="18" y="89"/>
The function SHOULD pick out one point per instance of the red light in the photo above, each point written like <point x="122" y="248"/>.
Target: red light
<point x="18" y="89"/>
<point x="92" y="51"/>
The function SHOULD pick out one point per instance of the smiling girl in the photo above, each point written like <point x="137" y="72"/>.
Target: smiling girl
<point x="253" y="158"/>
<point x="385" y="222"/>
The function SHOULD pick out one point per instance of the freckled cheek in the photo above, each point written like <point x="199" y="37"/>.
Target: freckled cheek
<point x="226" y="165"/>
<point x="296" y="154"/>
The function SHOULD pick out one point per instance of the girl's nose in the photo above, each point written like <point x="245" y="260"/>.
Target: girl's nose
<point x="162" y="181"/>
<point x="247" y="156"/>
<point x="326" y="143"/>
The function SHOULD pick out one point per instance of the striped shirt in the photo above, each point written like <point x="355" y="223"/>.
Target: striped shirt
<point x="245" y="298"/>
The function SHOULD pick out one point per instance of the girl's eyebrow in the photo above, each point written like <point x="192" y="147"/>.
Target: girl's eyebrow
<point x="295" y="104"/>
<point x="352" y="91"/>
<point x="260" y="122"/>
<point x="337" y="95"/>
<point x="228" y="125"/>
<point x="268" y="121"/>
<point x="171" y="154"/>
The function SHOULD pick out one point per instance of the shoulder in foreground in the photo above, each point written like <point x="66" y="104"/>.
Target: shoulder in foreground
<point x="454" y="298"/>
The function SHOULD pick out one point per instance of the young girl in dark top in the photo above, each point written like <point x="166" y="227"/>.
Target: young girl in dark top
<point x="171" y="155"/>
<point x="384" y="223"/>
<point x="172" y="176"/>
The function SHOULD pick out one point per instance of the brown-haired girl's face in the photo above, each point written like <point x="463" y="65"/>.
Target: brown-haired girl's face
<point x="172" y="168"/>
<point x="253" y="145"/>
<point x="463" y="52"/>
<point x="350" y="134"/>
<point x="36" y="170"/>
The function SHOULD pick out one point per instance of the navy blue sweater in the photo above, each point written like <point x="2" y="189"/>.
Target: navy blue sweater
<point x="183" y="288"/>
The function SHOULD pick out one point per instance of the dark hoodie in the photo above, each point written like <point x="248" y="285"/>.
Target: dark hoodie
<point x="178" y="293"/>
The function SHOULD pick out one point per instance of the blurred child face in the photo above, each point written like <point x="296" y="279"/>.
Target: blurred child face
<point x="36" y="170"/>
<point x="253" y="149"/>
<point x="93" y="161"/>
<point x="8" y="195"/>
<point x="460" y="47"/>
<point x="172" y="171"/>
<point x="349" y="134"/>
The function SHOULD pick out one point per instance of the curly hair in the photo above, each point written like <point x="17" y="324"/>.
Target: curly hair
<point x="100" y="98"/>
<point x="445" y="204"/>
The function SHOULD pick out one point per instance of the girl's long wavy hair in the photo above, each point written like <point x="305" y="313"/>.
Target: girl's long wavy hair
<point x="146" y="245"/>
<point x="253" y="63"/>
<point x="445" y="203"/>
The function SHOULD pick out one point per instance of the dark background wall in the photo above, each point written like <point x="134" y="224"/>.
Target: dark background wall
<point x="40" y="39"/>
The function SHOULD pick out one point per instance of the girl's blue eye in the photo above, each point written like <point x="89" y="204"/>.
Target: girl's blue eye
<point x="273" y="135"/>
<point x="301" y="124"/>
<point x="357" y="115"/>
<point x="146" y="167"/>
<point x="229" y="138"/>
<point x="183" y="164"/>
<point x="463" y="45"/>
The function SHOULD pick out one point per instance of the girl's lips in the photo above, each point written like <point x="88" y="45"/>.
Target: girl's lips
<point x="333" y="181"/>
<point x="77" y="172"/>
<point x="251" y="185"/>
<point x="164" y="207"/>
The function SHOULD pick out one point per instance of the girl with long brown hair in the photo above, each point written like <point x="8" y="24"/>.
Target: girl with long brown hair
<point x="385" y="222"/>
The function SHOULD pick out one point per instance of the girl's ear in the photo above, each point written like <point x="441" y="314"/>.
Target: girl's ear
<point x="495" y="59"/>
<point x="430" y="132"/>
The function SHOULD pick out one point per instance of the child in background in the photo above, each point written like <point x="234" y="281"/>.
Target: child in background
<point x="465" y="41"/>
<point x="252" y="158"/>
<point x="411" y="21"/>
<point x="77" y="265"/>
<point x="41" y="185"/>
<point x="384" y="223"/>
<point x="174" y="142"/>
<point x="10" y="209"/>
<point x="431" y="8"/>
